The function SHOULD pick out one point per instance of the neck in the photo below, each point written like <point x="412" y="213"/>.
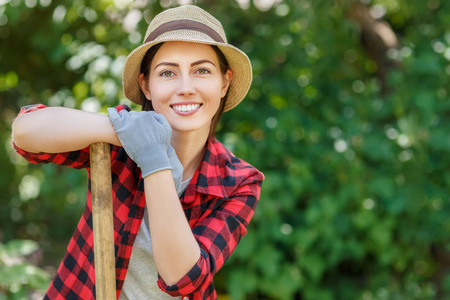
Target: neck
<point x="190" y="148"/>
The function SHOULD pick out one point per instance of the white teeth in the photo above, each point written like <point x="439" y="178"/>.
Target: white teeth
<point x="184" y="108"/>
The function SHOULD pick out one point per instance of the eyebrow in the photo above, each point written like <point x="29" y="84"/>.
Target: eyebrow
<point x="202" y="61"/>
<point x="199" y="62"/>
<point x="167" y="64"/>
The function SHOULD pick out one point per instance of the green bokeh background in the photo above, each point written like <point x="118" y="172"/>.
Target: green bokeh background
<point x="348" y="117"/>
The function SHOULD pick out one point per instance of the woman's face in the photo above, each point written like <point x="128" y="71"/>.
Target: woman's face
<point x="185" y="84"/>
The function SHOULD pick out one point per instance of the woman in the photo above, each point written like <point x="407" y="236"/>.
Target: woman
<point x="181" y="200"/>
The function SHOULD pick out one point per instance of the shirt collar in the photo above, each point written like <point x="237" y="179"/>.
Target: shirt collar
<point x="208" y="177"/>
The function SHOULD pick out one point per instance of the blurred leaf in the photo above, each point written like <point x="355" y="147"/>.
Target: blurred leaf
<point x="20" y="247"/>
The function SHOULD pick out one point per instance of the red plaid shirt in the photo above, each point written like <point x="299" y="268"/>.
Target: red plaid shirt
<point x="218" y="203"/>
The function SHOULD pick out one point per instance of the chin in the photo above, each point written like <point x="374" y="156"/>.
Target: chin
<point x="191" y="129"/>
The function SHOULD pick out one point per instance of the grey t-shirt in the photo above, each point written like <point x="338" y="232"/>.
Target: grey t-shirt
<point x="141" y="278"/>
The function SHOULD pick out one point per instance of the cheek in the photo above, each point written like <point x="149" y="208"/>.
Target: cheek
<point x="156" y="93"/>
<point x="216" y="89"/>
<point x="159" y="107"/>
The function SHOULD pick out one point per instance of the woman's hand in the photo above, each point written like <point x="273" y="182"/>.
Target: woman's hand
<point x="145" y="137"/>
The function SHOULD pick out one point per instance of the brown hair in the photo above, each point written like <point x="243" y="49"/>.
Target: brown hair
<point x="145" y="69"/>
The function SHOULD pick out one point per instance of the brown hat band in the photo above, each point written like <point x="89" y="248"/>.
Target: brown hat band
<point x="184" y="24"/>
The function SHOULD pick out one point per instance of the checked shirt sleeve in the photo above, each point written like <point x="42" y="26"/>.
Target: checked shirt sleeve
<point x="75" y="159"/>
<point x="218" y="231"/>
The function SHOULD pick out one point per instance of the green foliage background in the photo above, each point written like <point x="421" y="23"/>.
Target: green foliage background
<point x="355" y="204"/>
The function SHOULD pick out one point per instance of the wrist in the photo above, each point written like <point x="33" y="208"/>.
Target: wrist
<point x="108" y="133"/>
<point x="158" y="179"/>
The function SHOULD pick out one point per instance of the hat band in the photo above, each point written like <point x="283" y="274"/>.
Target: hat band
<point x="184" y="24"/>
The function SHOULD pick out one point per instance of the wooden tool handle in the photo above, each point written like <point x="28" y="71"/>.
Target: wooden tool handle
<point x="102" y="220"/>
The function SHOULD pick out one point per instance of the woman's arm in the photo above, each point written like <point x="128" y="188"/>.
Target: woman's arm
<point x="174" y="246"/>
<point x="218" y="231"/>
<point x="60" y="129"/>
<point x="146" y="138"/>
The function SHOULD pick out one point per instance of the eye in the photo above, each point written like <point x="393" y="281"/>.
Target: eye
<point x="166" y="73"/>
<point x="203" y="71"/>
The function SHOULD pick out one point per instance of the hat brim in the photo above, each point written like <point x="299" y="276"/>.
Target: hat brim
<point x="237" y="60"/>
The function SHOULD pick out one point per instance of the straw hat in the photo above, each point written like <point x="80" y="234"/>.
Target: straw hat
<point x="189" y="23"/>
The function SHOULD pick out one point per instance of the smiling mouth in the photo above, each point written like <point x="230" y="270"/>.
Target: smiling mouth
<point x="186" y="108"/>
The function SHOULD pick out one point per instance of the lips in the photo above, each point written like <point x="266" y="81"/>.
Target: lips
<point x="186" y="108"/>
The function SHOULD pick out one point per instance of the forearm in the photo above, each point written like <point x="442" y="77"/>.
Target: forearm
<point x="174" y="246"/>
<point x="59" y="129"/>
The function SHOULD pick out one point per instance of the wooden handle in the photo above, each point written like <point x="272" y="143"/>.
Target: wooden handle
<point x="102" y="220"/>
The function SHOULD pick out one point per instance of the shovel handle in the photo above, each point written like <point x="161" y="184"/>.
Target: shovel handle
<point x="102" y="221"/>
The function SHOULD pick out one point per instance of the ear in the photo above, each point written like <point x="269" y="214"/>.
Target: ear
<point x="226" y="82"/>
<point x="143" y="83"/>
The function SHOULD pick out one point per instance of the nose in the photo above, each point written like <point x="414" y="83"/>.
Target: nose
<point x="187" y="86"/>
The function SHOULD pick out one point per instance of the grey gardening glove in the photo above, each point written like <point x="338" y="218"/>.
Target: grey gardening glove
<point x="145" y="136"/>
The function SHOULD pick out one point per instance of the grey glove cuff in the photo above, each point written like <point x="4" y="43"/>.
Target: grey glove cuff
<point x="177" y="169"/>
<point x="152" y="158"/>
